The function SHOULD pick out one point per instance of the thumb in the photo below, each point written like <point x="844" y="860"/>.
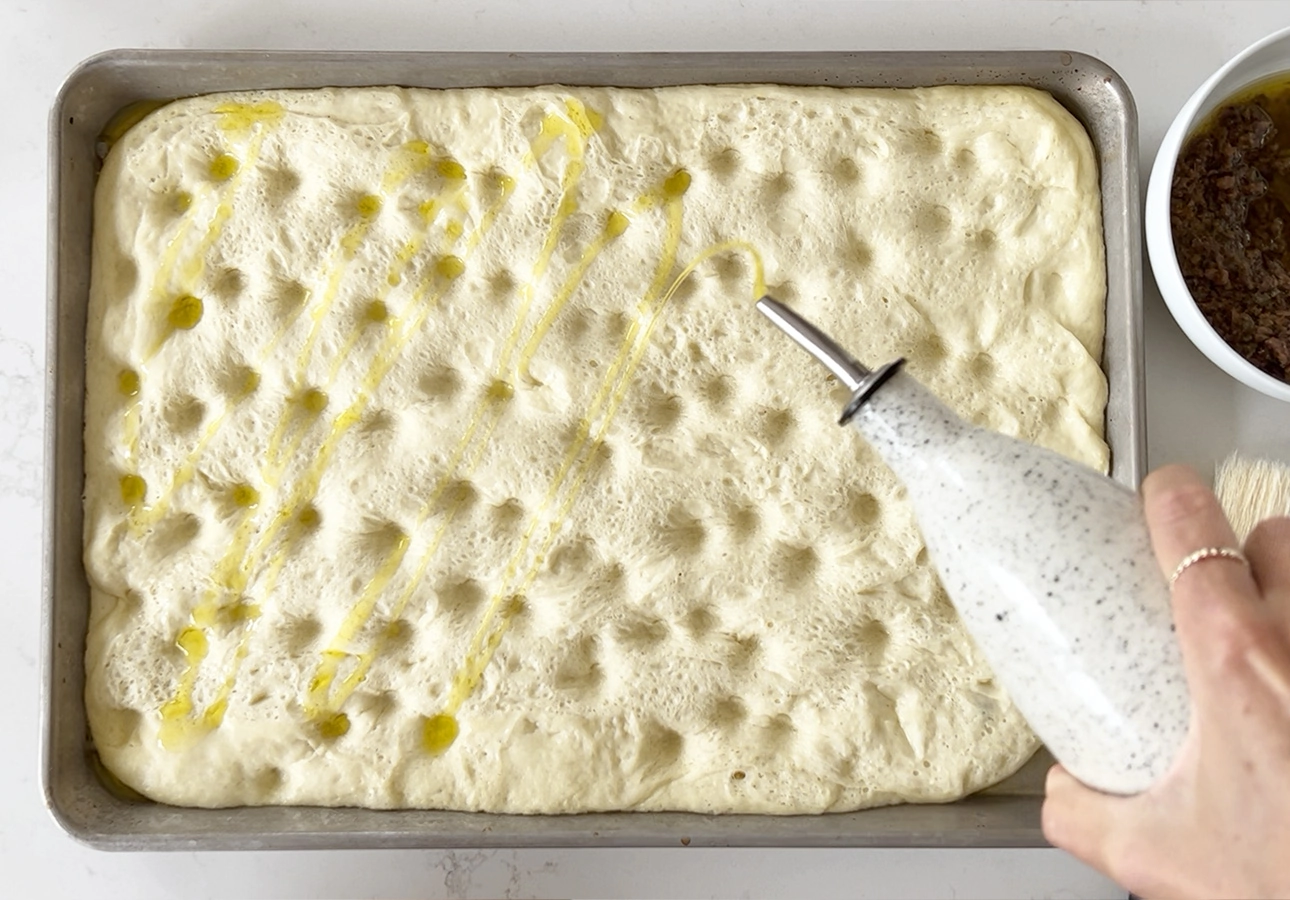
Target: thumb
<point x="1080" y="820"/>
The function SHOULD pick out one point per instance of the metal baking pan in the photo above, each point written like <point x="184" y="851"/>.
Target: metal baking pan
<point x="83" y="802"/>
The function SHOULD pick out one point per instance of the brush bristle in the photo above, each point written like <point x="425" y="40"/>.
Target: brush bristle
<point x="1251" y="490"/>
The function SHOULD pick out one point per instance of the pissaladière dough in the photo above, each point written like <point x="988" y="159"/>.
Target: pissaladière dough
<point x="417" y="476"/>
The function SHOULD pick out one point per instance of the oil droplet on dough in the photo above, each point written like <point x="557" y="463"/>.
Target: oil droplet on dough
<point x="616" y="224"/>
<point x="454" y="228"/>
<point x="450" y="266"/>
<point x="127" y="382"/>
<point x="438" y="733"/>
<point x="246" y="496"/>
<point x="368" y="205"/>
<point x="309" y="517"/>
<point x="186" y="312"/>
<point x="192" y="641"/>
<point x="244" y="612"/>
<point x="250" y="383"/>
<point x="214" y="714"/>
<point x="334" y="726"/>
<point x="224" y="167"/>
<point x="133" y="489"/>
<point x="503" y="181"/>
<point x="427" y="209"/>
<point x="183" y="200"/>
<point x="376" y="311"/>
<point x="676" y="184"/>
<point x="501" y="390"/>
<point x="314" y="400"/>
<point x="450" y="168"/>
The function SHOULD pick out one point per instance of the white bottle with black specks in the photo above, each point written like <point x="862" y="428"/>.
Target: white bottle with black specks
<point x="1049" y="564"/>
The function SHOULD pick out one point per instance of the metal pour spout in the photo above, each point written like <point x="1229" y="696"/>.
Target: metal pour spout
<point x="858" y="378"/>
<point x="849" y="370"/>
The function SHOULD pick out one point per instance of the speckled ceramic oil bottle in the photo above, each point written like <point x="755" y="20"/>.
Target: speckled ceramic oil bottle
<point x="1049" y="565"/>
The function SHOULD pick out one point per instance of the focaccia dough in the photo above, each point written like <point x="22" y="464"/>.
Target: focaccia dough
<point x="396" y="432"/>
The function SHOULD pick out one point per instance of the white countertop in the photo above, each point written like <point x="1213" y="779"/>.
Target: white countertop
<point x="1195" y="414"/>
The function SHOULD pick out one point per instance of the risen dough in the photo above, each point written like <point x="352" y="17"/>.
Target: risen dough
<point x="331" y="524"/>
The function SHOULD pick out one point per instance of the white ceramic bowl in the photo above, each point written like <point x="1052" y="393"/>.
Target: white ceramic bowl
<point x="1255" y="63"/>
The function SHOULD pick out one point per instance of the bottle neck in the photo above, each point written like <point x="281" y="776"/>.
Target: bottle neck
<point x="907" y="424"/>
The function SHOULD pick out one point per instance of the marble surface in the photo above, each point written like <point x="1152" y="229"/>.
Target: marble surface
<point x="1195" y="414"/>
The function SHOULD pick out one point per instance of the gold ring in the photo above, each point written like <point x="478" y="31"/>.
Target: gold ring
<point x="1206" y="553"/>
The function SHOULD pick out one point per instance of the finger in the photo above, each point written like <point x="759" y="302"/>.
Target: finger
<point x="1215" y="596"/>
<point x="1080" y="820"/>
<point x="1184" y="516"/>
<point x="1268" y="550"/>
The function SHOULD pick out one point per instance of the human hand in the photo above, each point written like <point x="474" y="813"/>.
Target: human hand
<point x="1217" y="824"/>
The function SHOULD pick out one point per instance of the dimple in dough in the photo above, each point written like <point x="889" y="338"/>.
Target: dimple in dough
<point x="415" y="477"/>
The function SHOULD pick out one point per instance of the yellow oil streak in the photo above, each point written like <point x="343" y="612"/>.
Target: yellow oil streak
<point x="241" y="117"/>
<point x="294" y="424"/>
<point x="344" y="252"/>
<point x="175" y="713"/>
<point x="324" y="703"/>
<point x="376" y="312"/>
<point x="130" y="432"/>
<point x="485" y="639"/>
<point x="410" y="159"/>
<point x="235" y="118"/>
<point x="235" y="570"/>
<point x="351" y="240"/>
<point x="298" y="526"/>
<point x="144" y="516"/>
<point x="163" y="281"/>
<point x="179" y="726"/>
<point x="190" y="271"/>
<point x="128" y="117"/>
<point x="307" y="486"/>
<point x="506" y="185"/>
<point x="184" y="472"/>
<point x="616" y="224"/>
<point x="323" y="700"/>
<point x="565" y="207"/>
<point x="505" y="601"/>
<point x="237" y="578"/>
<point x="317" y="700"/>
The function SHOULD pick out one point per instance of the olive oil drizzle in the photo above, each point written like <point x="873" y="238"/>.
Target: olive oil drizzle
<point x="402" y="169"/>
<point x="178" y="726"/>
<point x="191" y="269"/>
<point x="440" y="730"/>
<point x="242" y="117"/>
<point x="341" y="667"/>
<point x="238" y="566"/>
<point x="615" y="225"/>
<point x="410" y="159"/>
<point x="232" y="117"/>
<point x="234" y="572"/>
<point x="324" y="701"/>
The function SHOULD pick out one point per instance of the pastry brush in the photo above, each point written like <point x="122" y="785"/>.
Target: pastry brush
<point x="1251" y="490"/>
